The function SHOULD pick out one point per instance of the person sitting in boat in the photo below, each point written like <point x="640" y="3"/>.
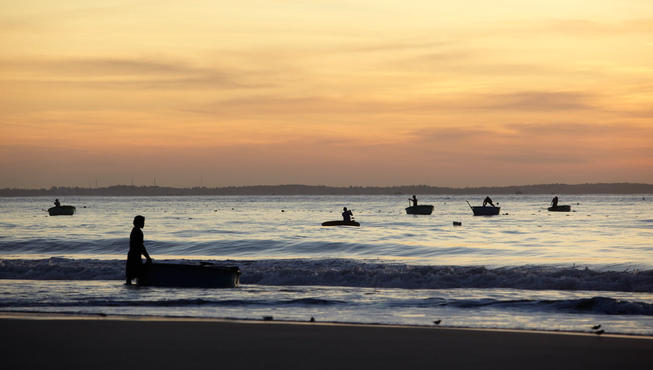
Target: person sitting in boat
<point x="554" y="201"/>
<point x="414" y="200"/>
<point x="347" y="214"/>
<point x="136" y="248"/>
<point x="57" y="203"/>
<point x="487" y="201"/>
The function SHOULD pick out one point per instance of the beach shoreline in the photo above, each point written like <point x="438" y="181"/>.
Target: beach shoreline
<point x="35" y="315"/>
<point x="38" y="340"/>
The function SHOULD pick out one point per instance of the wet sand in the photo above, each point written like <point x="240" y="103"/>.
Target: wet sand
<point x="37" y="341"/>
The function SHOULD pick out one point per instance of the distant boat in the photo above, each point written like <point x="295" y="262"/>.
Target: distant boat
<point x="340" y="223"/>
<point x="484" y="211"/>
<point x="189" y="276"/>
<point x="424" y="209"/>
<point x="61" y="211"/>
<point x="563" y="208"/>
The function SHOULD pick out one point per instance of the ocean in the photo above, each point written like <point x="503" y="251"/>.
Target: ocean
<point x="526" y="268"/>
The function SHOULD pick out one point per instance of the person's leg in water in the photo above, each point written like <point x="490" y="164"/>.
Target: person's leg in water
<point x="132" y="270"/>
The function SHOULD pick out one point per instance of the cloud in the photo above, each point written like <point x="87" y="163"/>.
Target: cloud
<point x="98" y="66"/>
<point x="116" y="73"/>
<point x="563" y="143"/>
<point x="537" y="101"/>
<point x="372" y="47"/>
<point x="569" y="129"/>
<point x="584" y="26"/>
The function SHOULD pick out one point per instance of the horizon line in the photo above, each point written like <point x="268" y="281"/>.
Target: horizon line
<point x="302" y="189"/>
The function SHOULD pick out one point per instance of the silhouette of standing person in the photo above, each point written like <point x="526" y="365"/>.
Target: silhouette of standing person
<point x="136" y="248"/>
<point x="488" y="200"/>
<point x="414" y="200"/>
<point x="347" y="214"/>
<point x="554" y="201"/>
<point x="57" y="203"/>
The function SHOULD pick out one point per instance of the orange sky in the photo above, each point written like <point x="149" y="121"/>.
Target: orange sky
<point x="325" y="92"/>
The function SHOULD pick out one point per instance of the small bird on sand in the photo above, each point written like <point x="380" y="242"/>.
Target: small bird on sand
<point x="599" y="332"/>
<point x="596" y="327"/>
<point x="437" y="322"/>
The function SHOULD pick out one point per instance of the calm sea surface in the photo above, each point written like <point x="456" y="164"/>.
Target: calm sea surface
<point x="526" y="268"/>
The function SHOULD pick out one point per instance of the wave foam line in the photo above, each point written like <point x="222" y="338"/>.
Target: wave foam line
<point x="344" y="272"/>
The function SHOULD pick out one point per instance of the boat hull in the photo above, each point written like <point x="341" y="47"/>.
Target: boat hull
<point x="61" y="211"/>
<point x="420" y="210"/>
<point x="486" y="211"/>
<point x="188" y="276"/>
<point x="340" y="223"/>
<point x="563" y="208"/>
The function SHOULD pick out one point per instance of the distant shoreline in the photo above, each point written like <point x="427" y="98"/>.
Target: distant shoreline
<point x="127" y="190"/>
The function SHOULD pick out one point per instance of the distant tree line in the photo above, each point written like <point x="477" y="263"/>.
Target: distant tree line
<point x="126" y="190"/>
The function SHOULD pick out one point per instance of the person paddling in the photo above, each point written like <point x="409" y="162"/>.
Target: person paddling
<point x="136" y="248"/>
<point x="57" y="203"/>
<point x="554" y="201"/>
<point x="414" y="200"/>
<point x="347" y="214"/>
<point x="487" y="201"/>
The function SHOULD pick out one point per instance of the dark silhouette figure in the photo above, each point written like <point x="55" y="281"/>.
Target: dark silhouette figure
<point x="347" y="214"/>
<point x="487" y="201"/>
<point x="554" y="201"/>
<point x="57" y="203"/>
<point x="136" y="248"/>
<point x="413" y="199"/>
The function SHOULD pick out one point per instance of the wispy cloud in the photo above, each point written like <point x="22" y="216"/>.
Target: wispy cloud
<point x="538" y="101"/>
<point x="114" y="73"/>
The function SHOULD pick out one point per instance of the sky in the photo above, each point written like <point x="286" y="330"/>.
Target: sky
<point x="325" y="92"/>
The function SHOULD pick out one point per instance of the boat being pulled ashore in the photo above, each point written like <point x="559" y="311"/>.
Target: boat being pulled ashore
<point x="61" y="211"/>
<point x="424" y="209"/>
<point x="204" y="275"/>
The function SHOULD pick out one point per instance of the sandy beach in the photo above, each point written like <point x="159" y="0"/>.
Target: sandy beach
<point x="39" y="341"/>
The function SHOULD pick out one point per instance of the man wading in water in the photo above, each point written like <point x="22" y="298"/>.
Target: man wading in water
<point x="136" y="248"/>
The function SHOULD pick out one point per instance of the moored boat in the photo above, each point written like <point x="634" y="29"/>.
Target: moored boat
<point x="562" y="208"/>
<point x="424" y="209"/>
<point x="61" y="211"/>
<point x="189" y="276"/>
<point x="340" y="223"/>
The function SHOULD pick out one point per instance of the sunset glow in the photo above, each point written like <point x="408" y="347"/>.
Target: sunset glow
<point x="325" y="92"/>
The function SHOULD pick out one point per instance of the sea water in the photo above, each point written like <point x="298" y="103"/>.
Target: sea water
<point x="526" y="268"/>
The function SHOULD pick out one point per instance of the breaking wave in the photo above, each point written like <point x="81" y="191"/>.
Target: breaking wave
<point x="355" y="273"/>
